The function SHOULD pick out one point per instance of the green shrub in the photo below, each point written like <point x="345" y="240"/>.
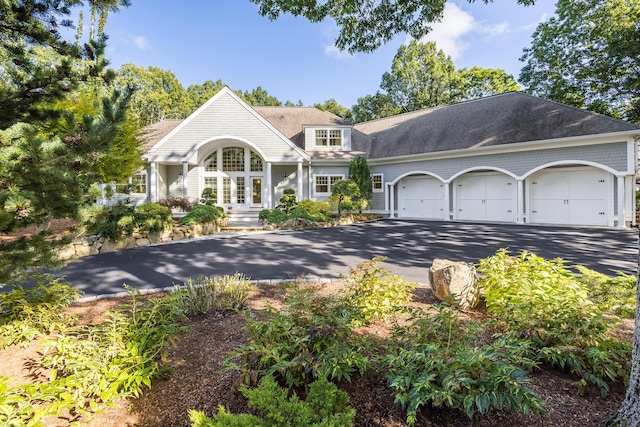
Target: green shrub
<point x="28" y="313"/>
<point x="325" y="406"/>
<point x="153" y="217"/>
<point x="615" y="295"/>
<point x="315" y="207"/>
<point x="299" y="212"/>
<point x="272" y="216"/>
<point x="432" y="360"/>
<point x="99" y="363"/>
<point x="544" y="304"/>
<point x="201" y="214"/>
<point x="309" y="338"/>
<point x="208" y="294"/>
<point x="374" y="292"/>
<point x="115" y="220"/>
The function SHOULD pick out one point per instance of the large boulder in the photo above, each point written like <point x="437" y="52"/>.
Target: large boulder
<point x="454" y="282"/>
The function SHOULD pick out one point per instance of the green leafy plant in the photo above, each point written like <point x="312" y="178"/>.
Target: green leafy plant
<point x="345" y="195"/>
<point x="374" y="292"/>
<point x="153" y="217"/>
<point x="214" y="294"/>
<point x="616" y="295"/>
<point x="273" y="216"/>
<point x="202" y="213"/>
<point x="29" y="313"/>
<point x="288" y="201"/>
<point x="208" y="196"/>
<point x="99" y="363"/>
<point x="299" y="212"/>
<point x="543" y="303"/>
<point x="432" y="360"/>
<point x="115" y="220"/>
<point x="324" y="406"/>
<point x="310" y="337"/>
<point x="315" y="207"/>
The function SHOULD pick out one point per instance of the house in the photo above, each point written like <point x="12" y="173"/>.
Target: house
<point x="511" y="158"/>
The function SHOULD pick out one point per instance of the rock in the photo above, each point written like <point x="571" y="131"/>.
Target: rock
<point x="154" y="237"/>
<point x="454" y="283"/>
<point x="66" y="252"/>
<point x="142" y="242"/>
<point x="83" y="250"/>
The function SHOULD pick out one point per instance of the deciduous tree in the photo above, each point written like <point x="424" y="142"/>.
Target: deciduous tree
<point x="365" y="25"/>
<point x="588" y="55"/>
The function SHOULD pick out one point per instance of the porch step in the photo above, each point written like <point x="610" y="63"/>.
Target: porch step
<point x="243" y="216"/>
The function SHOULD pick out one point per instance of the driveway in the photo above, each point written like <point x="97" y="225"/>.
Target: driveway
<point x="410" y="247"/>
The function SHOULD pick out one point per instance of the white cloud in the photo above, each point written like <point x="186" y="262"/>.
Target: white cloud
<point x="141" y="42"/>
<point x="532" y="26"/>
<point x="333" y="52"/>
<point x="456" y="25"/>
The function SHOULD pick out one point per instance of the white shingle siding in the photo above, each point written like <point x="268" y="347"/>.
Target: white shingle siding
<point x="225" y="116"/>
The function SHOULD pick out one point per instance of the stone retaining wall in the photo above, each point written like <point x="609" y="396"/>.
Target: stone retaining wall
<point x="92" y="245"/>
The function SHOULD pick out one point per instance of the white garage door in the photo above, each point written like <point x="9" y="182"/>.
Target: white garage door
<point x="576" y="196"/>
<point x="486" y="196"/>
<point x="421" y="197"/>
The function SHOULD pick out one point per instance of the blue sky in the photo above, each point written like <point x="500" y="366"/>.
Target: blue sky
<point x="294" y="59"/>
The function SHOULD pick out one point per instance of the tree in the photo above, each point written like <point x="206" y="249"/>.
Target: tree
<point x="42" y="171"/>
<point x="365" y="25"/>
<point x="360" y="173"/>
<point x="345" y="193"/>
<point x="422" y="76"/>
<point x="198" y="94"/>
<point x="332" y="106"/>
<point x="158" y="94"/>
<point x="478" y="82"/>
<point x="588" y="55"/>
<point x="259" y="97"/>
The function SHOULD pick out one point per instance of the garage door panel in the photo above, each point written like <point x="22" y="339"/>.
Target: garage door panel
<point x="500" y="210"/>
<point x="586" y="212"/>
<point x="585" y="185"/>
<point x="499" y="187"/>
<point x="549" y="211"/>
<point x="422" y="198"/>
<point x="570" y="196"/>
<point x="471" y="188"/>
<point x="468" y="209"/>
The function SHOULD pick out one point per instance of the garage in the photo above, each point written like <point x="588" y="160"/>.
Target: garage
<point x="486" y="196"/>
<point x="421" y="197"/>
<point x="573" y="196"/>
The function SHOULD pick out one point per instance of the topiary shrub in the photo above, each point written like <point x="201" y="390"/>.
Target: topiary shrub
<point x="201" y="214"/>
<point x="288" y="201"/>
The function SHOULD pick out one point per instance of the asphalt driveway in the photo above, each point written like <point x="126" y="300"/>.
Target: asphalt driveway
<point x="410" y="247"/>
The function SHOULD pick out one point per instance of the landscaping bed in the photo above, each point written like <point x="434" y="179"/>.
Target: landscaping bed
<point x="197" y="381"/>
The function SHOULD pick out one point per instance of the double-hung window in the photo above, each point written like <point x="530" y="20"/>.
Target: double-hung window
<point x="328" y="137"/>
<point x="323" y="183"/>
<point x="376" y="181"/>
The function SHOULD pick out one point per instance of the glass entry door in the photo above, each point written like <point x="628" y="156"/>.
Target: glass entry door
<point x="256" y="191"/>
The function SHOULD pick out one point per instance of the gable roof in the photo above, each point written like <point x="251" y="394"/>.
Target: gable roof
<point x="292" y="120"/>
<point x="492" y="121"/>
<point x="156" y="131"/>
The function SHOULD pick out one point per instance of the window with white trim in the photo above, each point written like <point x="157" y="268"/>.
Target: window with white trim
<point x="376" y="182"/>
<point x="233" y="159"/>
<point x="139" y="183"/>
<point x="323" y="183"/>
<point x="328" y="137"/>
<point x="211" y="162"/>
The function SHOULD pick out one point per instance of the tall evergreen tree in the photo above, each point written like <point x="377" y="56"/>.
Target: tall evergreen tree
<point x="43" y="172"/>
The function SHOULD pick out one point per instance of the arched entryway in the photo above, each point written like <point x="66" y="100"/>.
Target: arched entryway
<point x="236" y="175"/>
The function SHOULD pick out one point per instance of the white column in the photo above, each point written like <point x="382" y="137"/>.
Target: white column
<point x="153" y="182"/>
<point x="520" y="201"/>
<point x="185" y="179"/>
<point x="267" y="190"/>
<point x="446" y="213"/>
<point x="392" y="202"/>
<point x="621" y="206"/>
<point x="386" y="197"/>
<point x="300" y="190"/>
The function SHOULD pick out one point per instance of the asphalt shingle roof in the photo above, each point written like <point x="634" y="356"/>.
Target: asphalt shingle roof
<point x="496" y="120"/>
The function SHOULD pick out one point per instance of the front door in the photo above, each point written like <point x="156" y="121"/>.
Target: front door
<point x="256" y="191"/>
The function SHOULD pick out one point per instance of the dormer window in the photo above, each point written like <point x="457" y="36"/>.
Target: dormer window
<point x="329" y="137"/>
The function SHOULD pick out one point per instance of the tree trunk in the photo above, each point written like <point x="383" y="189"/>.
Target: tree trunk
<point x="629" y="412"/>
